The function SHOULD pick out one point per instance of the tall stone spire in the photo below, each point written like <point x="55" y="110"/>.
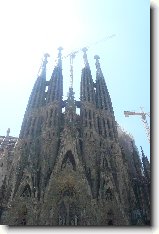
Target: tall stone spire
<point x="55" y="88"/>
<point x="103" y="100"/>
<point x="59" y="64"/>
<point x="106" y="123"/>
<point x="87" y="87"/>
<point x="31" y="124"/>
<point x="37" y="97"/>
<point x="146" y="165"/>
<point x="85" y="57"/>
<point x="99" y="71"/>
<point x="87" y="95"/>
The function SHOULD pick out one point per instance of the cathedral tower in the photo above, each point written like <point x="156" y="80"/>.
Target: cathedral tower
<point x="69" y="168"/>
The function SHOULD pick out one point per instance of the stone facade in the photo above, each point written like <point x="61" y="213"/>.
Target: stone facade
<point x="71" y="169"/>
<point x="7" y="144"/>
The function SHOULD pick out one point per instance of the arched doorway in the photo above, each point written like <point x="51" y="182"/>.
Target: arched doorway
<point x="68" y="160"/>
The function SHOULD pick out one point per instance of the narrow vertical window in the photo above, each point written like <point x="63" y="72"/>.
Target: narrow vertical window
<point x="105" y="133"/>
<point x="99" y="125"/>
<point x="108" y="123"/>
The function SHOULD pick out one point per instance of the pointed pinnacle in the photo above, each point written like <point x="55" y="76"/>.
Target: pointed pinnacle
<point x="46" y="55"/>
<point x="84" y="49"/>
<point x="8" y="131"/>
<point x="60" y="56"/>
<point x="96" y="57"/>
<point x="60" y="49"/>
<point x="85" y="56"/>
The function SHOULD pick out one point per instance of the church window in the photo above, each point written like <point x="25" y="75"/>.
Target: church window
<point x="85" y="114"/>
<point x="105" y="163"/>
<point x="110" y="134"/>
<point x="69" y="160"/>
<point x="108" y="194"/>
<point x="110" y="130"/>
<point x="108" y="123"/>
<point x="88" y="173"/>
<point x="26" y="191"/>
<point x="68" y="192"/>
<point x="99" y="125"/>
<point x="90" y="124"/>
<point x="88" y="97"/>
<point x="81" y="145"/>
<point x="53" y="95"/>
<point x="51" y="113"/>
<point x="110" y="217"/>
<point x="23" y="222"/>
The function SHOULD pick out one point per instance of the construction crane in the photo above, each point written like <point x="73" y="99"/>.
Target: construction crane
<point x="143" y="118"/>
<point x="72" y="55"/>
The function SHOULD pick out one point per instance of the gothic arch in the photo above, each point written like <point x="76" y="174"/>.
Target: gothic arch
<point x="26" y="191"/>
<point x="68" y="158"/>
<point x="108" y="194"/>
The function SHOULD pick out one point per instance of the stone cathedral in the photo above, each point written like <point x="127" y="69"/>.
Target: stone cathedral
<point x="72" y="169"/>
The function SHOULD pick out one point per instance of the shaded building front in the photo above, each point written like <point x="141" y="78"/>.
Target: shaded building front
<point x="69" y="168"/>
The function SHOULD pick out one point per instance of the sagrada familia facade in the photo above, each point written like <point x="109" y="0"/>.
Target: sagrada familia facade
<point x="72" y="169"/>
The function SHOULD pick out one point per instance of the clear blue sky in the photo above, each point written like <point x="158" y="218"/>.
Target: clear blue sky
<point x="30" y="28"/>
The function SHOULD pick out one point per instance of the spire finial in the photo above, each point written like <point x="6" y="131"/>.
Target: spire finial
<point x="85" y="56"/>
<point x="60" y="56"/>
<point x="46" y="55"/>
<point x="72" y="56"/>
<point x="96" y="57"/>
<point x="43" y="64"/>
<point x="8" y="131"/>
